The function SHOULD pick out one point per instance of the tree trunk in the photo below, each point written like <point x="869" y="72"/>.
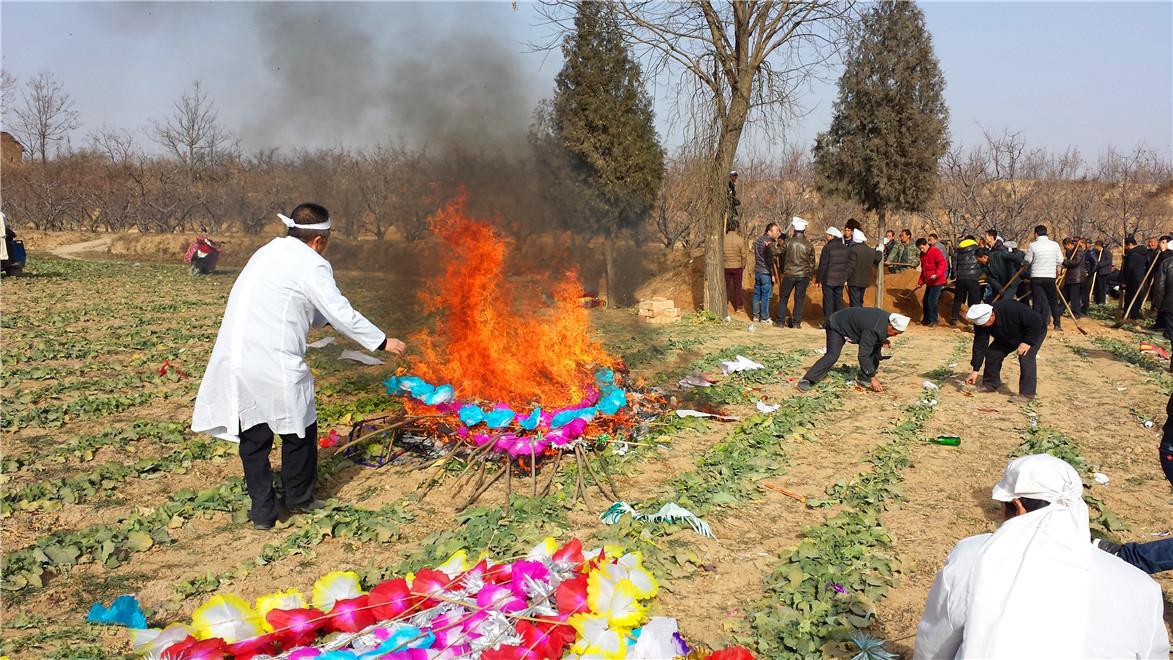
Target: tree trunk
<point x="715" y="298"/>
<point x="613" y="297"/>
<point x="882" y="215"/>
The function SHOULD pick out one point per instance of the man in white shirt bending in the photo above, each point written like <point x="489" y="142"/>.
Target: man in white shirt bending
<point x="1037" y="588"/>
<point x="257" y="382"/>
<point x="1045" y="257"/>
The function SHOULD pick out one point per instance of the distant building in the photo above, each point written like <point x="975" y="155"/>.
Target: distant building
<point x="11" y="150"/>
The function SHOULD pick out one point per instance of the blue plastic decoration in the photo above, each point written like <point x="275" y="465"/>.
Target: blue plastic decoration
<point x="611" y="404"/>
<point x="471" y="415"/>
<point x="392" y="385"/>
<point x="499" y="417"/>
<point x="124" y="611"/>
<point x="442" y="394"/>
<point x="408" y="383"/>
<point x="530" y="423"/>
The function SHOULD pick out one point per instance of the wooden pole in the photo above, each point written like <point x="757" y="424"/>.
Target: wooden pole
<point x="1139" y="289"/>
<point x="1007" y="286"/>
<point x="1092" y="295"/>
<point x="1069" y="312"/>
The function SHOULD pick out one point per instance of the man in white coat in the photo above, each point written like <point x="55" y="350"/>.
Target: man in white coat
<point x="1037" y="588"/>
<point x="257" y="382"/>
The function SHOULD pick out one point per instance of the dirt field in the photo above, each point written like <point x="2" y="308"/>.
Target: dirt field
<point x="84" y="343"/>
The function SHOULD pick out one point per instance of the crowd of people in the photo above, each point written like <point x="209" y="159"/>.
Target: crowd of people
<point x="1058" y="279"/>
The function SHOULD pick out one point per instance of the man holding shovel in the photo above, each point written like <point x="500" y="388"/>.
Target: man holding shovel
<point x="1013" y="328"/>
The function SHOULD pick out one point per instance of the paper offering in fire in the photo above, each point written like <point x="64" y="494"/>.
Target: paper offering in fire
<point x="508" y="383"/>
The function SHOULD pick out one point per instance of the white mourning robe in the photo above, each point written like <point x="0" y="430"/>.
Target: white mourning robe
<point x="257" y="373"/>
<point x="1124" y="609"/>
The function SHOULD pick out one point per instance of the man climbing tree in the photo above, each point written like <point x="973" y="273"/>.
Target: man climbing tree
<point x="891" y="125"/>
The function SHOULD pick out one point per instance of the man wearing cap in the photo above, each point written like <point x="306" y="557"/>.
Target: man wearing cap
<point x="1037" y="588"/>
<point x="834" y="261"/>
<point x="798" y="267"/>
<point x="967" y="270"/>
<point x="257" y="382"/>
<point x="870" y="328"/>
<point x="861" y="267"/>
<point x="1014" y="328"/>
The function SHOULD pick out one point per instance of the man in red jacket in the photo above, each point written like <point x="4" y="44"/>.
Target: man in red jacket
<point x="932" y="275"/>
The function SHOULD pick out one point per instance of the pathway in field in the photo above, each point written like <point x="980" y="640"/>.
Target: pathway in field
<point x="84" y="250"/>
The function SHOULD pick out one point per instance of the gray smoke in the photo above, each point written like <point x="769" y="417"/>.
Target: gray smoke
<point x="358" y="74"/>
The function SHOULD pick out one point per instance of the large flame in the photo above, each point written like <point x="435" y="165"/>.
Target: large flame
<point x="494" y="340"/>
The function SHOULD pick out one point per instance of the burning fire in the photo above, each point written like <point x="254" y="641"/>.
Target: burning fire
<point x="493" y="341"/>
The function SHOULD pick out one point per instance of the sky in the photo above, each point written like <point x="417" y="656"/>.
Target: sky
<point x="1092" y="75"/>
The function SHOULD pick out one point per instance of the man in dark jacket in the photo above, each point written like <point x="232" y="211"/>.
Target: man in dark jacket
<point x="798" y="267"/>
<point x="765" y="273"/>
<point x="870" y="327"/>
<point x="1103" y="273"/>
<point x="1014" y="328"/>
<point x="832" y="276"/>
<point x="733" y="202"/>
<point x="999" y="267"/>
<point x="967" y="270"/>
<point x="1089" y="268"/>
<point x="1073" y="274"/>
<point x="1163" y="299"/>
<point x="861" y="267"/>
<point x="1132" y="275"/>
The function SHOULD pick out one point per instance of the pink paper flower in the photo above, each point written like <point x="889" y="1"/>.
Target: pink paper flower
<point x="350" y="615"/>
<point x="499" y="597"/>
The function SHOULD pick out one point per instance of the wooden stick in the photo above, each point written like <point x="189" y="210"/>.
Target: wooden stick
<point x="381" y="429"/>
<point x="1072" y="314"/>
<point x="1007" y="285"/>
<point x="1139" y="289"/>
<point x="590" y="470"/>
<point x="480" y="491"/>
<point x="533" y="471"/>
<point x="553" y="471"/>
<point x="477" y="456"/>
<point x="787" y="493"/>
<point x="1092" y="295"/>
<point x="508" y="483"/>
<point x="607" y="473"/>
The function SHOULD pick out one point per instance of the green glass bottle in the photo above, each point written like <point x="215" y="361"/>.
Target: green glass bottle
<point x="947" y="440"/>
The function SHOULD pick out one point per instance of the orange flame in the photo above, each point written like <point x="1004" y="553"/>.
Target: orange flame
<point x="492" y="342"/>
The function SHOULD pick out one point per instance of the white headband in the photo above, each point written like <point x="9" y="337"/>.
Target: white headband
<point x="288" y="222"/>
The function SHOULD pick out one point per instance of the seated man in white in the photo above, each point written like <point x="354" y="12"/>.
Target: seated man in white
<point x="1037" y="588"/>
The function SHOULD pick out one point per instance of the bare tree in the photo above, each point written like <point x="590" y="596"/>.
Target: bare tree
<point x="46" y="116"/>
<point x="193" y="133"/>
<point x="7" y="95"/>
<point x="1130" y="180"/>
<point x="737" y="62"/>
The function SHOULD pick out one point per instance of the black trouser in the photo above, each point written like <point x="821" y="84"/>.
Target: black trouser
<point x="1131" y="292"/>
<point x="798" y="286"/>
<point x="1045" y="299"/>
<point x="965" y="291"/>
<point x="832" y="301"/>
<point x="1027" y="366"/>
<point x="1101" y="289"/>
<point x="1074" y="295"/>
<point x="1085" y="294"/>
<point x="835" y="343"/>
<point x="855" y="296"/>
<point x="1166" y="452"/>
<point x="299" y="469"/>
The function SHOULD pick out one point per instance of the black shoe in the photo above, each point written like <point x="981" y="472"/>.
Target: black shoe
<point x="263" y="526"/>
<point x="313" y="505"/>
<point x="986" y="389"/>
<point x="1109" y="547"/>
<point x="804" y="385"/>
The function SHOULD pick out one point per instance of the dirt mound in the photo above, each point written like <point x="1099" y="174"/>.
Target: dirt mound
<point x="682" y="280"/>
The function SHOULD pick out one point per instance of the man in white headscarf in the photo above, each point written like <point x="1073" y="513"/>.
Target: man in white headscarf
<point x="870" y="328"/>
<point x="257" y="382"/>
<point x="1037" y="588"/>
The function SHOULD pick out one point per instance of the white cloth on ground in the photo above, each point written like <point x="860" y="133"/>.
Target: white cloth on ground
<point x="363" y="358"/>
<point x="257" y="373"/>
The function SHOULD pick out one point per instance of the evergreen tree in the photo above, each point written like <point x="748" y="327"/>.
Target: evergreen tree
<point x="602" y="119"/>
<point x="890" y="125"/>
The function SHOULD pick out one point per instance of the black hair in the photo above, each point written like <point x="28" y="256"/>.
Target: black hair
<point x="1069" y="241"/>
<point x="921" y="241"/>
<point x="309" y="214"/>
<point x="1165" y="238"/>
<point x="1130" y="240"/>
<point x="851" y="224"/>
<point x="983" y="252"/>
<point x="1098" y="242"/>
<point x="992" y="232"/>
<point x="906" y="231"/>
<point x="1040" y="230"/>
<point x="769" y="226"/>
<point x="969" y="237"/>
<point x="933" y="236"/>
<point x="733" y="226"/>
<point x="1028" y="503"/>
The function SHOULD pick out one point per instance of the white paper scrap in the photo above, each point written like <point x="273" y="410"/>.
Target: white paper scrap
<point x="742" y="363"/>
<point x="359" y="357"/>
<point x="696" y="413"/>
<point x="323" y="342"/>
<point x="767" y="408"/>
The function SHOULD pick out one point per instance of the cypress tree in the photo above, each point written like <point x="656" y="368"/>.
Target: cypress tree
<point x="890" y="124"/>
<point x="602" y="118"/>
